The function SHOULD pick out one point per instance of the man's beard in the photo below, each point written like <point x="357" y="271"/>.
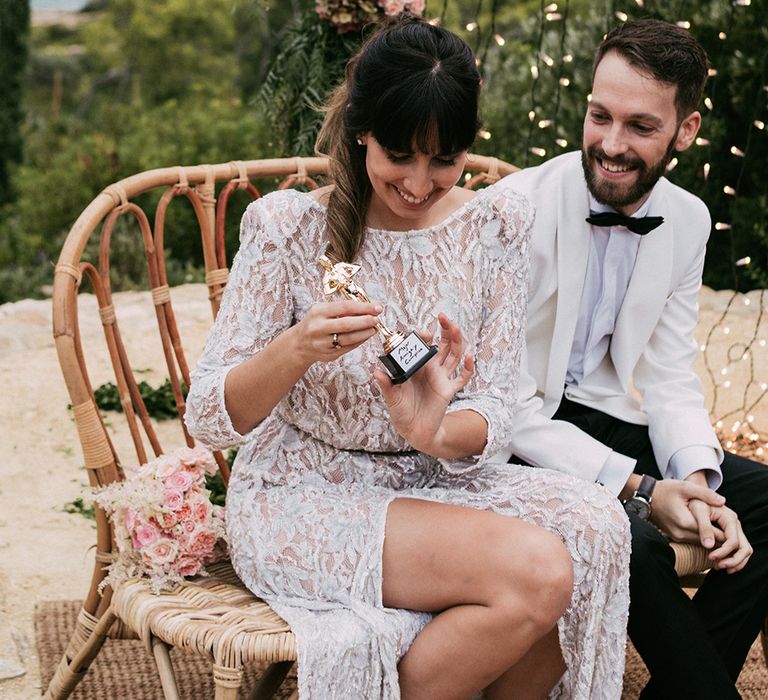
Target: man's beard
<point x="617" y="195"/>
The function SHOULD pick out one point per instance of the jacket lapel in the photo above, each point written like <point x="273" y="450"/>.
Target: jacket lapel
<point x="645" y="298"/>
<point x="573" y="238"/>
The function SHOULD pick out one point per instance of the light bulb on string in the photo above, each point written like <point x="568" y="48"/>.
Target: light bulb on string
<point x="702" y="141"/>
<point x="683" y="24"/>
<point x="552" y="7"/>
<point x="640" y="3"/>
<point x="706" y="170"/>
<point x="672" y="164"/>
<point x="544" y="123"/>
<point x="708" y="104"/>
<point x="722" y="36"/>
<point x="565" y="82"/>
<point x="741" y="262"/>
<point x="712" y="72"/>
<point x="500" y="40"/>
<point x="538" y="151"/>
<point x="553" y="16"/>
<point x="737" y="151"/>
<point x="743" y="3"/>
<point x="535" y="72"/>
<point x="531" y="115"/>
<point x="561" y="142"/>
<point x="721" y="226"/>
<point x="621" y="16"/>
<point x="759" y="124"/>
<point x="547" y="59"/>
<point x="729" y="190"/>
<point x="484" y="134"/>
<point x="568" y="58"/>
<point x="471" y="26"/>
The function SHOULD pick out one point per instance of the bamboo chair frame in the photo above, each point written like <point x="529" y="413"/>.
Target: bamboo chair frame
<point x="216" y="616"/>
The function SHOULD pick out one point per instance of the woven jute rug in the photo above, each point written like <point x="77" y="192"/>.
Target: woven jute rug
<point x="124" y="669"/>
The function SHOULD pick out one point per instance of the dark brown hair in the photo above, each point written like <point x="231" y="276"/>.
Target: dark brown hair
<point x="411" y="84"/>
<point x="664" y="52"/>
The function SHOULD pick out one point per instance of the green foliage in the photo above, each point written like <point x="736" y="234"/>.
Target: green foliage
<point x="14" y="28"/>
<point x="79" y="507"/>
<point x="215" y="483"/>
<point x="308" y="66"/>
<point x="159" y="402"/>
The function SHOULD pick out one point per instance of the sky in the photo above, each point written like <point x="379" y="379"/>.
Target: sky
<point x="57" y="4"/>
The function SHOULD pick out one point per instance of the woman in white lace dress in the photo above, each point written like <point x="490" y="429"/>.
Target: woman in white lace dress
<point x="368" y="514"/>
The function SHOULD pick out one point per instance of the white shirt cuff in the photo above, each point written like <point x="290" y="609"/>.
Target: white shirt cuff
<point x="695" y="458"/>
<point x="615" y="472"/>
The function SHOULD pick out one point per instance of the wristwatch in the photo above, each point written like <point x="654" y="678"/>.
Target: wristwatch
<point x="640" y="501"/>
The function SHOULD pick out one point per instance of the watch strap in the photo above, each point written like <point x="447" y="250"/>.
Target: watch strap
<point x="645" y="489"/>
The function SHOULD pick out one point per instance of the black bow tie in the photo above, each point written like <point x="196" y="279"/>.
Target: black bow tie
<point x="641" y="224"/>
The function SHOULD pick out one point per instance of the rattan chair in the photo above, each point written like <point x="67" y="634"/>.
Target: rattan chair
<point x="214" y="616"/>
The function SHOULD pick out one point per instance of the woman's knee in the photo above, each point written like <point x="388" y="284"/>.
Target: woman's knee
<point x="535" y="573"/>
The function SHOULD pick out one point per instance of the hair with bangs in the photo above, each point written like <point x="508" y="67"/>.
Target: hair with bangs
<point x="411" y="85"/>
<point x="662" y="51"/>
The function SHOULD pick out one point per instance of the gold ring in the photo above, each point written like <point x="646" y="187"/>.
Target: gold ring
<point x="336" y="345"/>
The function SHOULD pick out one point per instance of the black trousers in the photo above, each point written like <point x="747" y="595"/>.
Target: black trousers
<point x="692" y="648"/>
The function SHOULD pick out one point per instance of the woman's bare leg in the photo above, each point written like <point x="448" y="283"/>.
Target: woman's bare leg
<point x="534" y="675"/>
<point x="499" y="585"/>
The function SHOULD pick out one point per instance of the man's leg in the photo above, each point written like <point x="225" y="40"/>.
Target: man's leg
<point x="666" y="629"/>
<point x="680" y="641"/>
<point x="733" y="606"/>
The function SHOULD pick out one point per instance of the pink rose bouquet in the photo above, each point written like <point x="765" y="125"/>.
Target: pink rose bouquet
<point x="353" y="15"/>
<point x="165" y="526"/>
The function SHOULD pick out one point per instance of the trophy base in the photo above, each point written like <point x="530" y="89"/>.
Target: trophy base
<point x="407" y="357"/>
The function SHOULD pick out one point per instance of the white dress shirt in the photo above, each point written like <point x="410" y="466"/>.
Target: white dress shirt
<point x="610" y="262"/>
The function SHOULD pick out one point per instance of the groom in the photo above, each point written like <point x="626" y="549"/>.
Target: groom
<point x="608" y="392"/>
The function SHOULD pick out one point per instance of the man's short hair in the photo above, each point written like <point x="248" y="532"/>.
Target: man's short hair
<point x="662" y="51"/>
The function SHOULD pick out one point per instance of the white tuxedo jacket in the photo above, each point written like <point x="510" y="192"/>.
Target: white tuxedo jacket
<point x="647" y="376"/>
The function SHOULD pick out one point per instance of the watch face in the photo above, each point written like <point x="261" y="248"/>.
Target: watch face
<point x="639" y="506"/>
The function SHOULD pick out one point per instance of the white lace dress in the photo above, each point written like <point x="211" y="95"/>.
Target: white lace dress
<point x="310" y="487"/>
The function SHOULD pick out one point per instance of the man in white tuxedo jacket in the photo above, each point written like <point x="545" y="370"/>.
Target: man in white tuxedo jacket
<point x="610" y="393"/>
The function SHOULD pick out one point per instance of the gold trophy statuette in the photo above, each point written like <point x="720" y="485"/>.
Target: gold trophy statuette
<point x="403" y="354"/>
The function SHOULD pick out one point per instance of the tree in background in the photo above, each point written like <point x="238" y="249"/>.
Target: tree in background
<point x="14" y="29"/>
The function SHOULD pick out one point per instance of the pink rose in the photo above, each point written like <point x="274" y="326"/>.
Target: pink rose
<point x="160" y="553"/>
<point x="179" y="481"/>
<point x="201" y="511"/>
<point x="416" y="6"/>
<point x="173" y="500"/>
<point x="187" y="566"/>
<point x="199" y="457"/>
<point x="201" y="543"/>
<point x="188" y="526"/>
<point x="185" y="512"/>
<point x="144" y="535"/>
<point x="392" y="7"/>
<point x="168" y="520"/>
<point x="165" y="465"/>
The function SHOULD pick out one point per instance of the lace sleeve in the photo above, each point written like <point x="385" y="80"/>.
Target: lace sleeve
<point x="492" y="390"/>
<point x="255" y="308"/>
